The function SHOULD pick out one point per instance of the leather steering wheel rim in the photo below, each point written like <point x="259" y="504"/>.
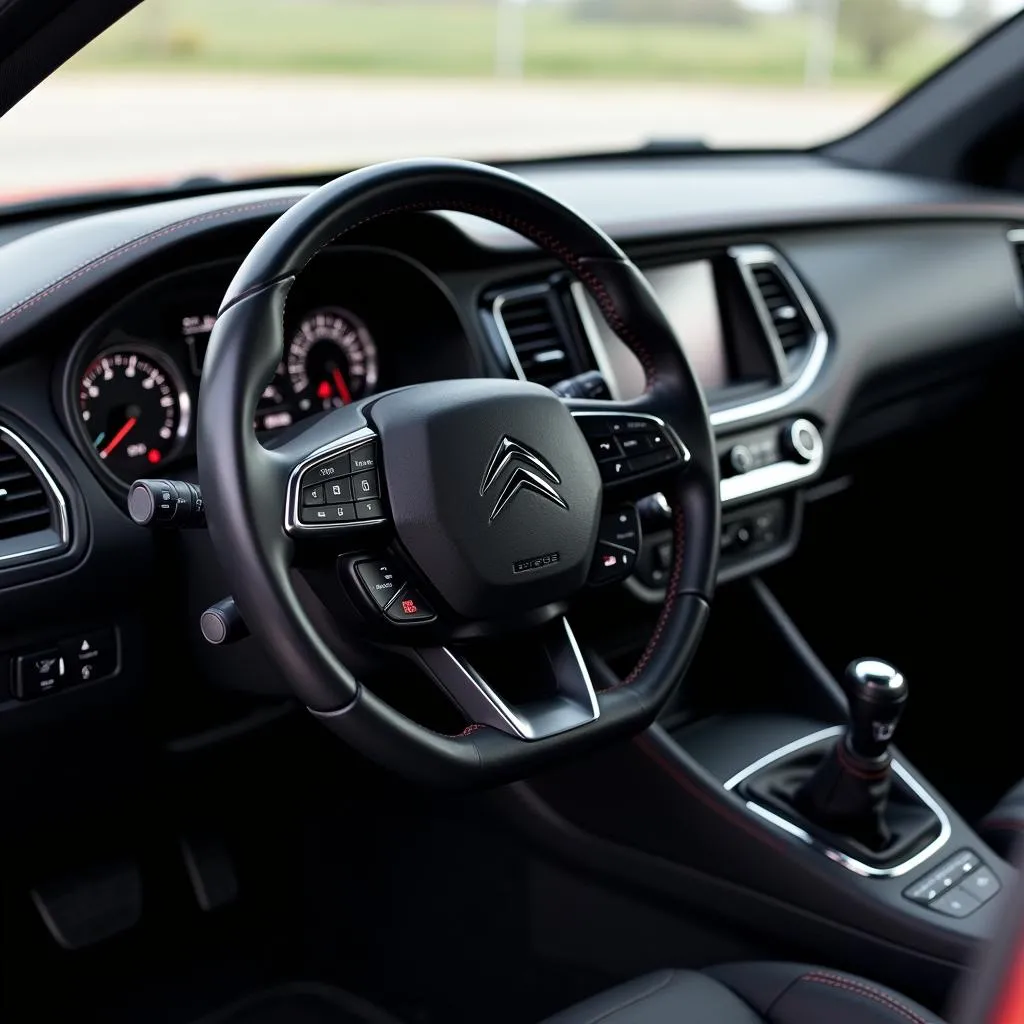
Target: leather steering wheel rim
<point x="242" y="481"/>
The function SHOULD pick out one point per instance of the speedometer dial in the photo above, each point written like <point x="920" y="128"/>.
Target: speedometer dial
<point x="134" y="411"/>
<point x="332" y="359"/>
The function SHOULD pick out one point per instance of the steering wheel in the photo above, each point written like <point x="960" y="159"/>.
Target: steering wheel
<point x="464" y="515"/>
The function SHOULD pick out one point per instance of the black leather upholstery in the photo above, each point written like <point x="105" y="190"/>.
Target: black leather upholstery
<point x="750" y="993"/>
<point x="1005" y="822"/>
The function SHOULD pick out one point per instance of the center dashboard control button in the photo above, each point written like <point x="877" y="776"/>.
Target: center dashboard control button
<point x="364" y="457"/>
<point x="37" y="674"/>
<point x="90" y="656"/>
<point x="328" y="514"/>
<point x="338" y="491"/>
<point x="382" y="579"/>
<point x="364" y="485"/>
<point x="409" y="606"/>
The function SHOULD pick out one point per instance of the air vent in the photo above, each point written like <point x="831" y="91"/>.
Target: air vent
<point x="789" y="320"/>
<point x="1017" y="242"/>
<point x="537" y="345"/>
<point x="33" y="516"/>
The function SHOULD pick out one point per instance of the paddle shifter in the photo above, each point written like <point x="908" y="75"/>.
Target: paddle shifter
<point x="848" y="793"/>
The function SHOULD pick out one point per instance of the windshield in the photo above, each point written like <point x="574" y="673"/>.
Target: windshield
<point x="249" y="88"/>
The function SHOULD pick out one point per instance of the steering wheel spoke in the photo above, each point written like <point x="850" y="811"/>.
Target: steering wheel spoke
<point x="559" y="695"/>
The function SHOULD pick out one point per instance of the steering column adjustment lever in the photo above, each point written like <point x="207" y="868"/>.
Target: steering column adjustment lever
<point x="169" y="503"/>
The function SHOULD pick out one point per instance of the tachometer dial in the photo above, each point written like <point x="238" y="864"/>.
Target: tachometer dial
<point x="134" y="410"/>
<point x="332" y="359"/>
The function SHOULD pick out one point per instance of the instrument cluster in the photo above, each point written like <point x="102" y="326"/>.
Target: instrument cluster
<point x="132" y="382"/>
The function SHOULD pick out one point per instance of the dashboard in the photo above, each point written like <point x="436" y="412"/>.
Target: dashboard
<point x="130" y="384"/>
<point x="823" y="310"/>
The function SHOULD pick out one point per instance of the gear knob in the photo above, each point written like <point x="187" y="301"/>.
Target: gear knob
<point x="878" y="695"/>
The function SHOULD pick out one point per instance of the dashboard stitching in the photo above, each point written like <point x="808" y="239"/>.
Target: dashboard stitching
<point x="23" y="305"/>
<point x="679" y="540"/>
<point x="546" y="241"/>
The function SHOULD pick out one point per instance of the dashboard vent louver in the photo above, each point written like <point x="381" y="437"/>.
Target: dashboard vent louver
<point x="788" y="319"/>
<point x="533" y="335"/>
<point x="1017" y="241"/>
<point x="33" y="519"/>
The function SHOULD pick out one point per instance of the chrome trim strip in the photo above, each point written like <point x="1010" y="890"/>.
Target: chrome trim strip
<point x="778" y="474"/>
<point x="293" y="494"/>
<point x="848" y="862"/>
<point x="59" y="509"/>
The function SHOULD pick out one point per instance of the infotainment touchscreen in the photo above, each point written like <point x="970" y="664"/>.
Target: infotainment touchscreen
<point x="687" y="294"/>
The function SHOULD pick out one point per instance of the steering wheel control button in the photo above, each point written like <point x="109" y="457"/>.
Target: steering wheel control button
<point x="364" y="485"/>
<point x="627" y="445"/>
<point x="604" y="446"/>
<point x="382" y="579"/>
<point x="312" y="495"/>
<point x="611" y="563"/>
<point x="338" y="466"/>
<point x="614" y="469"/>
<point x="621" y="527"/>
<point x="364" y="458"/>
<point x="652" y="460"/>
<point x="328" y="514"/>
<point x="90" y="657"/>
<point x="37" y="674"/>
<point x="338" y="491"/>
<point x="372" y="509"/>
<point x="409" y="606"/>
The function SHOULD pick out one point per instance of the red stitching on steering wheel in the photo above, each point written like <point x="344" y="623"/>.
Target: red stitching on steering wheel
<point x="548" y="242"/>
<point x="679" y="542"/>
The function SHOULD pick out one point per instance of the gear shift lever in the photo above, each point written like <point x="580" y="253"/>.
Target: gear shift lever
<point x="849" y="791"/>
<point x="878" y="694"/>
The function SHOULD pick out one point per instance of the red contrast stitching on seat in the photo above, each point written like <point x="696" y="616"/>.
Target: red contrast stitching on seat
<point x="679" y="541"/>
<point x="868" y="992"/>
<point x="470" y="729"/>
<point x="137" y="243"/>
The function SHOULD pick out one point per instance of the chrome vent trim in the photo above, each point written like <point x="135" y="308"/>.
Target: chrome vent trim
<point x="36" y="543"/>
<point x="533" y="358"/>
<point x="795" y="385"/>
<point x="1016" y="239"/>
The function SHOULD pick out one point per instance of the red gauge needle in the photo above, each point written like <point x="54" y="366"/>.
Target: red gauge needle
<point x="118" y="437"/>
<point x="339" y="382"/>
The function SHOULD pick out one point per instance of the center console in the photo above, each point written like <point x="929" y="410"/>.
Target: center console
<point x="772" y="795"/>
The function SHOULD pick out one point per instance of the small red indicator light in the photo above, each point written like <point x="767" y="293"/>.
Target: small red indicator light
<point x="409" y="607"/>
<point x="324" y="391"/>
<point x="153" y="456"/>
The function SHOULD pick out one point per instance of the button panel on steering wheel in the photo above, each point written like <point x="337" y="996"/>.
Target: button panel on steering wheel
<point x="337" y="487"/>
<point x="630" y="445"/>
